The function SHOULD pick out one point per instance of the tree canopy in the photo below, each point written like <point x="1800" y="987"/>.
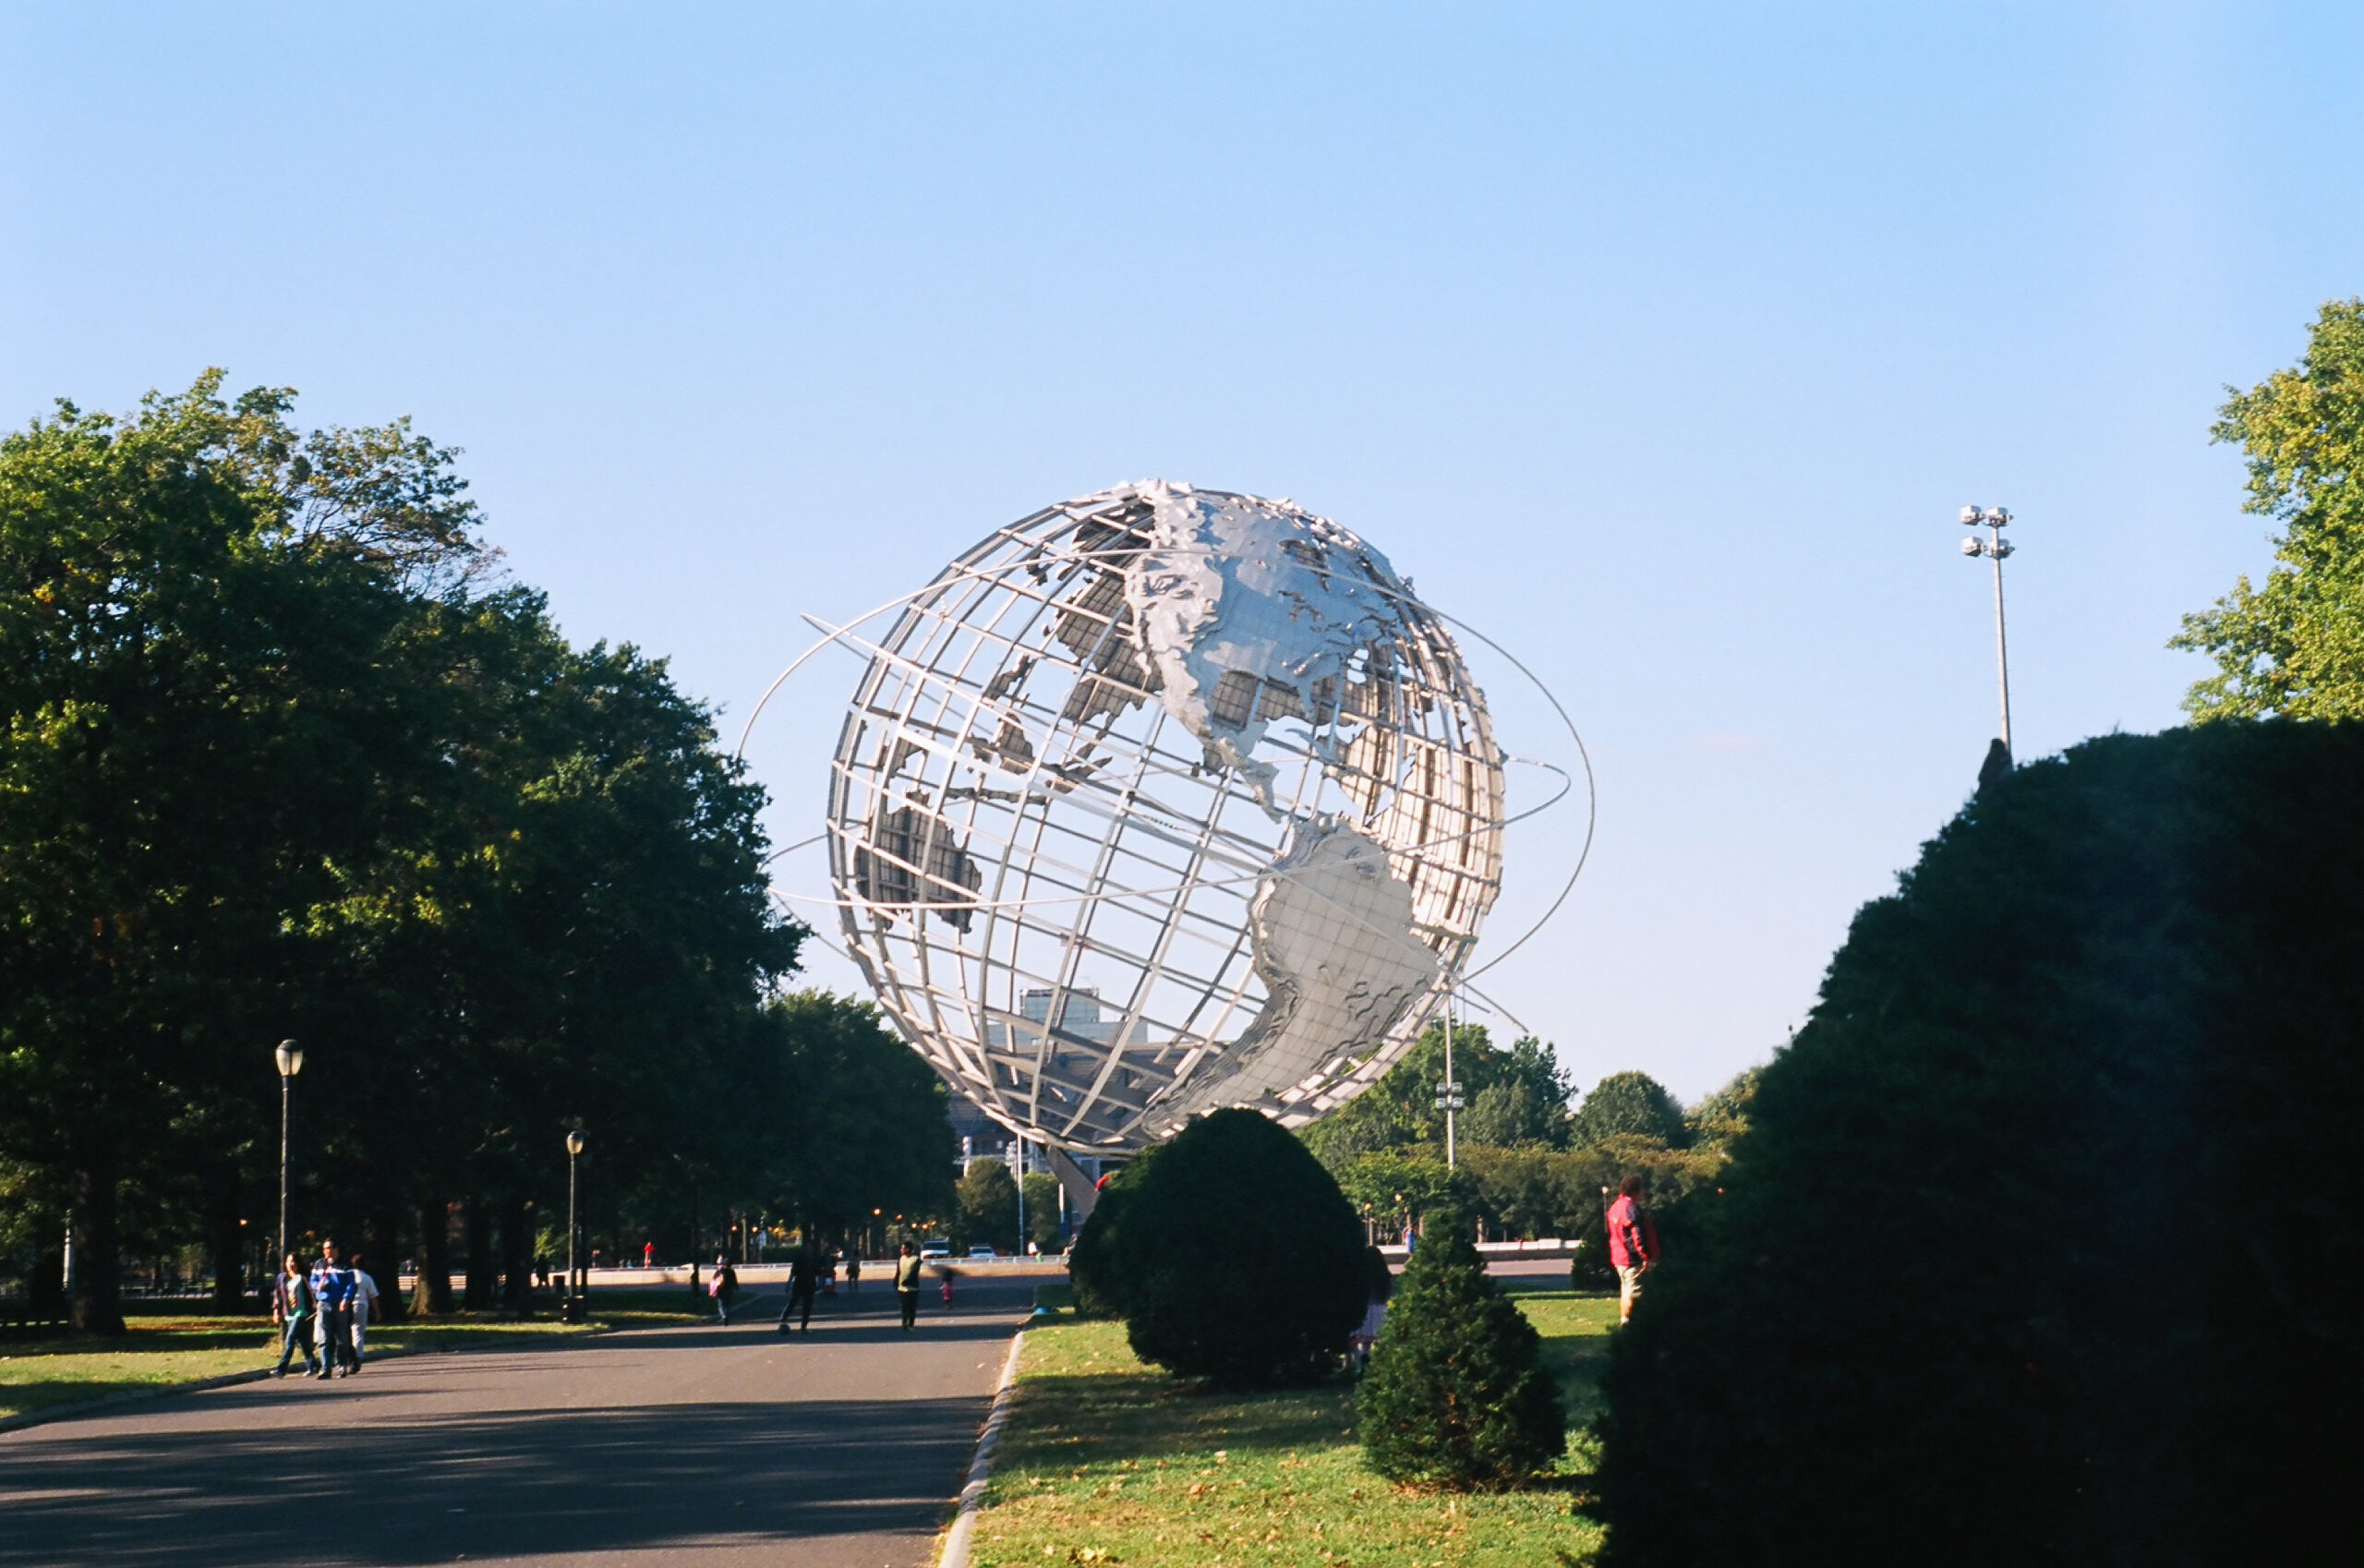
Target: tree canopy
<point x="287" y="756"/>
<point x="2295" y="646"/>
<point x="1516" y="1096"/>
<point x="1630" y="1104"/>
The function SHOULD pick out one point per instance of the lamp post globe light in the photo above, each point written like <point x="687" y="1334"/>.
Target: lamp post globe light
<point x="290" y="1057"/>
<point x="1994" y="546"/>
<point x="575" y="1282"/>
<point x="570" y="1308"/>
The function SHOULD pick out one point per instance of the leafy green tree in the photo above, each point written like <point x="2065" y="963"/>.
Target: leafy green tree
<point x="858" y="1120"/>
<point x="1517" y="1096"/>
<point x="199" y="711"/>
<point x="1723" y="1116"/>
<point x="1240" y="1260"/>
<point x="1630" y="1104"/>
<point x="1457" y="1394"/>
<point x="1043" y="1211"/>
<point x="2057" y="1216"/>
<point x="285" y="759"/>
<point x="2295" y="646"/>
<point x="1391" y="1190"/>
<point x="988" y="1207"/>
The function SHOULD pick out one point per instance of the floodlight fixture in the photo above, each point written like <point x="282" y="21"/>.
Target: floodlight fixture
<point x="1995" y="547"/>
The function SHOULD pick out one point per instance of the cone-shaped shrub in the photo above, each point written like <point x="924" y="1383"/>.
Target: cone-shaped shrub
<point x="1457" y="1395"/>
<point x="1237" y="1257"/>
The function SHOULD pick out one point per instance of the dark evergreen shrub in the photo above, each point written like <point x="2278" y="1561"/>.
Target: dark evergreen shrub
<point x="1238" y="1259"/>
<point x="2040" y="1246"/>
<point x="1457" y="1395"/>
<point x="1092" y="1270"/>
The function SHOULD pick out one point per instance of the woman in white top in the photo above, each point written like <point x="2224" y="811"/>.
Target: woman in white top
<point x="365" y="1304"/>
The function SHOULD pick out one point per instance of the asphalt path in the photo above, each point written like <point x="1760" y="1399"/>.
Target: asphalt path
<point x="702" y="1446"/>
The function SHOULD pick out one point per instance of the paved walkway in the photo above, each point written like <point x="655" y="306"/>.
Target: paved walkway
<point x="705" y="1447"/>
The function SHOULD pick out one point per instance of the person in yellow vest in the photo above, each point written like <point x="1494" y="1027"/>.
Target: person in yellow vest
<point x="907" y="1286"/>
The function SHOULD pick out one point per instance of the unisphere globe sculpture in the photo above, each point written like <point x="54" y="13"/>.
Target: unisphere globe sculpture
<point x="1161" y="800"/>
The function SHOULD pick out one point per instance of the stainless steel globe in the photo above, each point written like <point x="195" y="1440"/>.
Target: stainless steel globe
<point x="1160" y="800"/>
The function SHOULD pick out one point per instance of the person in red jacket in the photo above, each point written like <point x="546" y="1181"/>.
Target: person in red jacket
<point x="1632" y="1244"/>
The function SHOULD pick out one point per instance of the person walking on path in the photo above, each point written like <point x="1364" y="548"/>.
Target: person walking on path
<point x="907" y="1286"/>
<point x="1632" y="1244"/>
<point x="853" y="1271"/>
<point x="1382" y="1286"/>
<point x="724" y="1286"/>
<point x="332" y="1293"/>
<point x="800" y="1288"/>
<point x="365" y="1307"/>
<point x="291" y="1309"/>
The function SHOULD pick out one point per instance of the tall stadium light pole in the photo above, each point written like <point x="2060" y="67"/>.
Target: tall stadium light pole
<point x="290" y="1057"/>
<point x="570" y="1310"/>
<point x="1994" y="546"/>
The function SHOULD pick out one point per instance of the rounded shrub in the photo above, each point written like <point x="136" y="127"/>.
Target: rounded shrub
<point x="1234" y="1256"/>
<point x="1093" y="1271"/>
<point x="1457" y="1395"/>
<point x="2039" y="1246"/>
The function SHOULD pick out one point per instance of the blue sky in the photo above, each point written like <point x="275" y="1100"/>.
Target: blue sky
<point x="1664" y="347"/>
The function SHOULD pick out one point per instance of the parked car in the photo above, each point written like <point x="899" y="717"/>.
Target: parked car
<point x="982" y="1250"/>
<point x="936" y="1250"/>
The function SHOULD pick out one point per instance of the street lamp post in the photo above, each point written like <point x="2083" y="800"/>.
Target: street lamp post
<point x="571" y="1308"/>
<point x="290" y="1057"/>
<point x="1994" y="546"/>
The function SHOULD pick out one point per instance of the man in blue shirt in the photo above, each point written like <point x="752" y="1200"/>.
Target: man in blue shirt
<point x="332" y="1289"/>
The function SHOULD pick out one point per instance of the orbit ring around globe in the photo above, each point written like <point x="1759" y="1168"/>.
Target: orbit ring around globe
<point x="1165" y="800"/>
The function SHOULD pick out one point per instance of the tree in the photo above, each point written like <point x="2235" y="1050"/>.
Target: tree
<point x="1457" y="1394"/>
<point x="2059" y="1216"/>
<point x="1631" y="1104"/>
<point x="988" y="1200"/>
<point x="1723" y="1116"/>
<point x="283" y="759"/>
<point x="1043" y="1211"/>
<point x="2295" y="646"/>
<point x="200" y="708"/>
<point x="1395" y="1189"/>
<point x="1517" y="1096"/>
<point x="853" y="1120"/>
<point x="1240" y="1259"/>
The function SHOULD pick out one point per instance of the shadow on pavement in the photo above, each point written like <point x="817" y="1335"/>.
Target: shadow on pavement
<point x="551" y="1481"/>
<point x="979" y="1311"/>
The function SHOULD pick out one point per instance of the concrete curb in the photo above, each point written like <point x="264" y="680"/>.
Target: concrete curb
<point x="973" y="1496"/>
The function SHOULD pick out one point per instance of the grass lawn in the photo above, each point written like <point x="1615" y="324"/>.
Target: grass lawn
<point x="1106" y="1460"/>
<point x="177" y="1343"/>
